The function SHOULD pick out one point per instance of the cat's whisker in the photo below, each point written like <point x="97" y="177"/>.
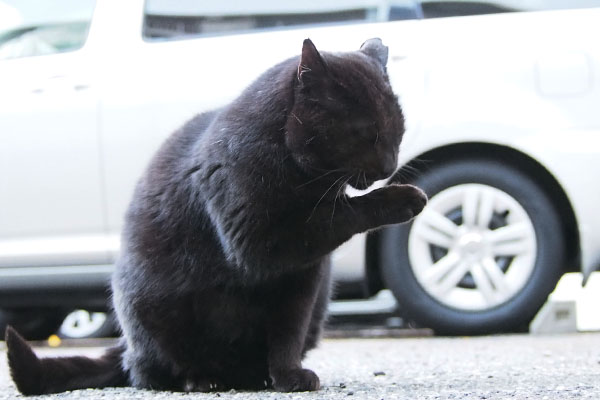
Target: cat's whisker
<point x="345" y="197"/>
<point x="339" y="193"/>
<point x="315" y="168"/>
<point x="297" y="119"/>
<point x="318" y="177"/>
<point x="401" y="176"/>
<point x="322" y="197"/>
<point x="408" y="173"/>
<point x="333" y="210"/>
<point x="309" y="141"/>
<point x="421" y="161"/>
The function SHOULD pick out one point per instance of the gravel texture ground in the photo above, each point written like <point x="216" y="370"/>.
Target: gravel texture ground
<point x="495" y="367"/>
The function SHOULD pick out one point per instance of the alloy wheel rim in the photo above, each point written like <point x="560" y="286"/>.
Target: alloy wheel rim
<point x="82" y="323"/>
<point x="473" y="247"/>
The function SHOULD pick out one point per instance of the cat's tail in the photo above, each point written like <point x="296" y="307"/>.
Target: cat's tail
<point x="34" y="376"/>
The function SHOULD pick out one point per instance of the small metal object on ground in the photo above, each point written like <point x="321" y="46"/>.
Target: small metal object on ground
<point x="376" y="332"/>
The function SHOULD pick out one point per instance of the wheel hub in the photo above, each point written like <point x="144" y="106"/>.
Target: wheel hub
<point x="471" y="244"/>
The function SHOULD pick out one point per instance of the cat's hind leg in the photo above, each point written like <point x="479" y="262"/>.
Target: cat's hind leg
<point x="146" y="371"/>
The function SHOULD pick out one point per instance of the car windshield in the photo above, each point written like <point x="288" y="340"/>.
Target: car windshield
<point x="33" y="27"/>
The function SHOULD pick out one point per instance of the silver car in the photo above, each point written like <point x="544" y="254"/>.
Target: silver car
<point x="503" y="134"/>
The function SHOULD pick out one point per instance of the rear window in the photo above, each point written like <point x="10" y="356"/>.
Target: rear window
<point x="34" y="27"/>
<point x="176" y="19"/>
<point x="440" y="8"/>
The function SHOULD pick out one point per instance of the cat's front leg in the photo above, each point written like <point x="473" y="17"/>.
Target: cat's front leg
<point x="305" y="238"/>
<point x="289" y="320"/>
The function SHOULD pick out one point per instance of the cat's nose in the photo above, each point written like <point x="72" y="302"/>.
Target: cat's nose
<point x="389" y="170"/>
<point x="389" y="165"/>
<point x="382" y="173"/>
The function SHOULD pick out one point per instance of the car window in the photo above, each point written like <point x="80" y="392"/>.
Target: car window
<point x="33" y="27"/>
<point x="441" y="8"/>
<point x="176" y="19"/>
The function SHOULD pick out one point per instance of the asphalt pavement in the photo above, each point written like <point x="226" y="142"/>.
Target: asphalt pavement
<point x="495" y="367"/>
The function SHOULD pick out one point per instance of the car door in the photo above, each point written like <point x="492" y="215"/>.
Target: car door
<point x="51" y="202"/>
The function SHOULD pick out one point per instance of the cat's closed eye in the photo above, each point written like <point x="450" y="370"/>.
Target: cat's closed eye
<point x="368" y="132"/>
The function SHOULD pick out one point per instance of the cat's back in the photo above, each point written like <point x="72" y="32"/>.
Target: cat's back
<point x="162" y="192"/>
<point x="177" y="151"/>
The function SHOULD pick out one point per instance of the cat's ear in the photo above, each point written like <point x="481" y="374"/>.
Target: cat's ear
<point x="312" y="65"/>
<point x="376" y="49"/>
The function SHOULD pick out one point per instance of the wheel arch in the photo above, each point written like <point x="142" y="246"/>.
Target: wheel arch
<point x="475" y="150"/>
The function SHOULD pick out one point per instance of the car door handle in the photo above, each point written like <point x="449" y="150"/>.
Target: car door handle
<point x="59" y="82"/>
<point x="398" y="57"/>
<point x="81" y="86"/>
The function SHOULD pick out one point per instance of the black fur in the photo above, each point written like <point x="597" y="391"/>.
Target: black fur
<point x="224" y="278"/>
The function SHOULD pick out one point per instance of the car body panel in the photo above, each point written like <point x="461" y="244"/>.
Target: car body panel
<point x="49" y="191"/>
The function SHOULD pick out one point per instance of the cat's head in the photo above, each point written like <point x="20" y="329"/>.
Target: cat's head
<point x="345" y="115"/>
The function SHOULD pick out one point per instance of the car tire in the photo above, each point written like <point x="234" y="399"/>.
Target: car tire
<point x="482" y="257"/>
<point x="34" y="323"/>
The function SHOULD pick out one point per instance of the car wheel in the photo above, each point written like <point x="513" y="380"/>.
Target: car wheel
<point x="482" y="257"/>
<point x="85" y="324"/>
<point x="32" y="324"/>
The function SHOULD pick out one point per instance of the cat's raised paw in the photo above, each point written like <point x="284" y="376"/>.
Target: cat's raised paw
<point x="395" y="204"/>
<point x="416" y="199"/>
<point x="296" y="380"/>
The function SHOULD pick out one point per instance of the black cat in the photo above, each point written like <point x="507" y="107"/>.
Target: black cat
<point x="224" y="277"/>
